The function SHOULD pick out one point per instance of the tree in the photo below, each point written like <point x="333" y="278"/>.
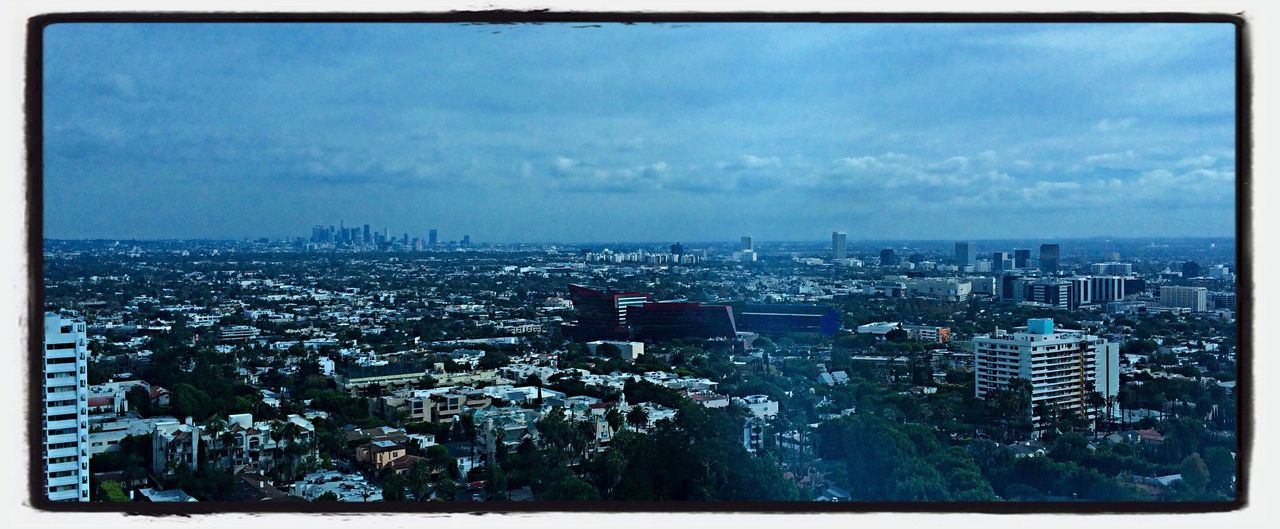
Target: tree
<point x="112" y="491"/>
<point x="637" y="418"/>
<point x="570" y="488"/>
<point x="614" y="418"/>
<point x="326" y="496"/>
<point x="1195" y="473"/>
<point x="1221" y="466"/>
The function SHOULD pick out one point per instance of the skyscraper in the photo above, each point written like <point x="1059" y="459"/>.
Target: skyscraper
<point x="1049" y="254"/>
<point x="1063" y="366"/>
<point x="888" y="257"/>
<point x="1022" y="259"/>
<point x="367" y="237"/>
<point x="966" y="254"/>
<point x="838" y="245"/>
<point x="747" y="243"/>
<point x="677" y="249"/>
<point x="433" y="237"/>
<point x="1000" y="261"/>
<point x="66" y="411"/>
<point x="466" y="240"/>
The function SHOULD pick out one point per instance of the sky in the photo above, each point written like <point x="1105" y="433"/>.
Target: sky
<point x="667" y="132"/>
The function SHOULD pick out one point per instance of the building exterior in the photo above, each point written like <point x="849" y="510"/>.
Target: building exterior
<point x="1063" y="367"/>
<point x="66" y="411"/>
<point x="966" y="254"/>
<point x="602" y="315"/>
<point x="1111" y="269"/>
<point x="1001" y="261"/>
<point x="630" y="350"/>
<point x="433" y="236"/>
<point x="1195" y="299"/>
<point x="944" y="289"/>
<point x="747" y="243"/>
<point x="673" y="321"/>
<point x="1050" y="255"/>
<point x="778" y="318"/>
<point x="1022" y="259"/>
<point x="1106" y="288"/>
<point x="1052" y="292"/>
<point x="888" y="257"/>
<point x="839" y="245"/>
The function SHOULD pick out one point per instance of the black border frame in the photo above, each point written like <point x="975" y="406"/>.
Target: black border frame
<point x="34" y="134"/>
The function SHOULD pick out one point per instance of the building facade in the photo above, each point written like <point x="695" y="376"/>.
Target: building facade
<point x="839" y="245"/>
<point x="1194" y="298"/>
<point x="1063" y="366"/>
<point x="66" y="409"/>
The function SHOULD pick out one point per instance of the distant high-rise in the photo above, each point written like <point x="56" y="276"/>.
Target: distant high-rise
<point x="466" y="240"/>
<point x="747" y="243"/>
<point x="677" y="249"/>
<point x="433" y="237"/>
<point x="1049" y="258"/>
<point x="66" y="411"/>
<point x="888" y="257"/>
<point x="368" y="238"/>
<point x="1001" y="261"/>
<point x="839" y="250"/>
<point x="1194" y="298"/>
<point x="966" y="254"/>
<point x="1022" y="259"/>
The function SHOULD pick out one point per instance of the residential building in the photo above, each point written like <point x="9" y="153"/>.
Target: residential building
<point x="839" y="245"/>
<point x="1062" y="366"/>
<point x="65" y="432"/>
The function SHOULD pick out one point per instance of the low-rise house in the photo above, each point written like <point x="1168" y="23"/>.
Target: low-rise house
<point x="347" y="487"/>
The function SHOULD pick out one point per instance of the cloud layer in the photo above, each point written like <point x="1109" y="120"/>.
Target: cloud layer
<point x="657" y="132"/>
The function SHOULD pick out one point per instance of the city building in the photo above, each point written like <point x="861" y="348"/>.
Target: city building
<point x="630" y="350"/>
<point x="781" y="319"/>
<point x="1050" y="255"/>
<point x="748" y="243"/>
<point x="66" y="411"/>
<point x="1063" y="366"/>
<point x="839" y="248"/>
<point x="888" y="257"/>
<point x="602" y="315"/>
<point x="966" y="254"/>
<point x="1111" y="269"/>
<point x="1001" y="261"/>
<point x="674" y="321"/>
<point x="1194" y="298"/>
<point x="1022" y="259"/>
<point x="433" y="237"/>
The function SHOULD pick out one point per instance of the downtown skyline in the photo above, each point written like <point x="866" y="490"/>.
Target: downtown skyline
<point x="677" y="132"/>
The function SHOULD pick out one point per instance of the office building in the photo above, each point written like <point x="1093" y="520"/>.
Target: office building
<point x="466" y="240"/>
<point x="677" y="249"/>
<point x="602" y="315"/>
<point x="888" y="257"/>
<point x="1052" y="292"/>
<point x="1194" y="298"/>
<point x="1049" y="258"/>
<point x="998" y="261"/>
<point x="747" y="243"/>
<point x="368" y="237"/>
<point x="966" y="254"/>
<point x="66" y="409"/>
<point x="680" y="321"/>
<point x="1064" y="367"/>
<point x="1111" y="269"/>
<point x="1022" y="259"/>
<point x="1106" y="288"/>
<point x="839" y="250"/>
<point x="783" y="319"/>
<point x="433" y="237"/>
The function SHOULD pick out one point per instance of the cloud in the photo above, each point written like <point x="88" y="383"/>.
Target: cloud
<point x="1109" y="125"/>
<point x="1111" y="158"/>
<point x="750" y="163"/>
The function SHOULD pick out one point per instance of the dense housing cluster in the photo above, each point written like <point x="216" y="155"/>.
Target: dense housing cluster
<point x="355" y="366"/>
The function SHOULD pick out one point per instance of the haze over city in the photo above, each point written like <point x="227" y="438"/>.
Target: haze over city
<point x="646" y="132"/>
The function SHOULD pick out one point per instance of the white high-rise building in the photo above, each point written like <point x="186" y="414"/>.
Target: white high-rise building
<point x="1064" y="366"/>
<point x="66" y="409"/>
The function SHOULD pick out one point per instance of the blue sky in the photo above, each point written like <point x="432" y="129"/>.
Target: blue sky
<point x="690" y="132"/>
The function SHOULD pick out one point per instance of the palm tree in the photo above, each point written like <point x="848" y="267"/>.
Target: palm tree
<point x="215" y="428"/>
<point x="637" y="418"/>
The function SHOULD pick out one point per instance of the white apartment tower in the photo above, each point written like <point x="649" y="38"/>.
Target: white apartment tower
<point x="1064" y="367"/>
<point x="66" y="410"/>
<point x="1194" y="298"/>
